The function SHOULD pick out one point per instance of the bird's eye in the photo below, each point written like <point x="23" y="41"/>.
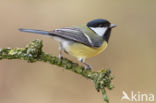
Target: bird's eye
<point x="100" y="25"/>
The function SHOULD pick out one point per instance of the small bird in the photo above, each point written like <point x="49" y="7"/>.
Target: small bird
<point x="83" y="41"/>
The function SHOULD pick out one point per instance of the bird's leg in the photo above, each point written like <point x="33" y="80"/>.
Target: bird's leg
<point x="60" y="51"/>
<point x="87" y="66"/>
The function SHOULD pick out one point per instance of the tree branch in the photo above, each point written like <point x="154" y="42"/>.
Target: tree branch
<point x="33" y="53"/>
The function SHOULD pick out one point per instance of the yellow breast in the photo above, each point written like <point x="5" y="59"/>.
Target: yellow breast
<point x="82" y="51"/>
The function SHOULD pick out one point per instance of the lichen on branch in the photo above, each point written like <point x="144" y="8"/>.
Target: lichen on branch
<point x="33" y="53"/>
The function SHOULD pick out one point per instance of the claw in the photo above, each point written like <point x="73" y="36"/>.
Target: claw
<point x="87" y="66"/>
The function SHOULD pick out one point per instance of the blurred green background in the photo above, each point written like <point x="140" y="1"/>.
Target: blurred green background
<point x="131" y="54"/>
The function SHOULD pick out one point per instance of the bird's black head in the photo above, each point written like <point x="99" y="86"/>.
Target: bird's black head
<point x="101" y="27"/>
<point x="98" y="23"/>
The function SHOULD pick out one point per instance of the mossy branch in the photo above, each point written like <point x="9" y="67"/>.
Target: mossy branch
<point x="33" y="53"/>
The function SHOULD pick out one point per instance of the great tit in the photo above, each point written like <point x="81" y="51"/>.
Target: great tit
<point x="82" y="41"/>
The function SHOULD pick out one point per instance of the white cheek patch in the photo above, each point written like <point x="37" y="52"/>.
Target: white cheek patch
<point x="99" y="30"/>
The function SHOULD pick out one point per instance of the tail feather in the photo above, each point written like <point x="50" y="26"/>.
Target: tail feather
<point x="35" y="31"/>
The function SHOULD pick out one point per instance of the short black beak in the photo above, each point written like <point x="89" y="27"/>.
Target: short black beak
<point x="112" y="25"/>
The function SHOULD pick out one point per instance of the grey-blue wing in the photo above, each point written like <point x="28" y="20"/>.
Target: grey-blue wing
<point x="74" y="34"/>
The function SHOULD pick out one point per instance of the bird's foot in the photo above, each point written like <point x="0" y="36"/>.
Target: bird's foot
<point x="60" y="56"/>
<point x="88" y="67"/>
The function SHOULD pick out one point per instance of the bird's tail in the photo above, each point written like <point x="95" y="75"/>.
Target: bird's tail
<point x="35" y="31"/>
